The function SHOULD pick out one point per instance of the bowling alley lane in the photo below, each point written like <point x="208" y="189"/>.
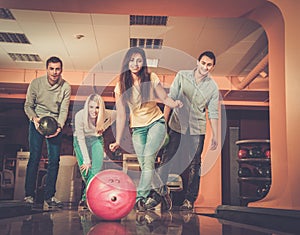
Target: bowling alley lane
<point x="70" y="221"/>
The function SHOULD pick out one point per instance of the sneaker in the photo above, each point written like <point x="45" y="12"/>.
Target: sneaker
<point x="82" y="205"/>
<point x="151" y="204"/>
<point x="153" y="200"/>
<point x="52" y="203"/>
<point x="140" y="205"/>
<point x="187" y="205"/>
<point x="29" y="200"/>
<point x="167" y="201"/>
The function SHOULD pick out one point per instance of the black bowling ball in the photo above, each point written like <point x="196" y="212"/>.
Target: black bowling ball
<point x="256" y="152"/>
<point x="262" y="191"/>
<point x="244" y="172"/>
<point x="262" y="172"/>
<point x="47" y="126"/>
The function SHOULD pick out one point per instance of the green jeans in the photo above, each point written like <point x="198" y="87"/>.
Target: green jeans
<point x="95" y="146"/>
<point x="147" y="141"/>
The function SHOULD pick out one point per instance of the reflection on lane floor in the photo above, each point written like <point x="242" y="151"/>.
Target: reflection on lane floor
<point x="150" y="222"/>
<point x="64" y="222"/>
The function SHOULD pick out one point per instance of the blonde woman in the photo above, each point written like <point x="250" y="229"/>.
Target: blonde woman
<point x="90" y="123"/>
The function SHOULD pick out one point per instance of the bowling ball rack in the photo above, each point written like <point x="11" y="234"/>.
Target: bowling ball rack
<point x="254" y="173"/>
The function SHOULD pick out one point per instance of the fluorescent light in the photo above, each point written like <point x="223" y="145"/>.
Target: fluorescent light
<point x="263" y="74"/>
<point x="152" y="63"/>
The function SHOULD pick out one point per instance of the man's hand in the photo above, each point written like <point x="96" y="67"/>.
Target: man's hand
<point x="214" y="144"/>
<point x="178" y="103"/>
<point x="58" y="130"/>
<point x="36" y="122"/>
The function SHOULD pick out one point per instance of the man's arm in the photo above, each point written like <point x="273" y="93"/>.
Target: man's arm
<point x="173" y="92"/>
<point x="64" y="106"/>
<point x="63" y="112"/>
<point x="214" y="128"/>
<point x="30" y="102"/>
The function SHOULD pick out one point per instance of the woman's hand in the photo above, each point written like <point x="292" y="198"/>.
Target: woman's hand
<point x="100" y="132"/>
<point x="85" y="167"/>
<point x="114" y="146"/>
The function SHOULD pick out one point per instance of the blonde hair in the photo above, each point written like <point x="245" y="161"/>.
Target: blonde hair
<point x="100" y="118"/>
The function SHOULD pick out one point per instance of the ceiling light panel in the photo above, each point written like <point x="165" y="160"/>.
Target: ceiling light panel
<point x="6" y="14"/>
<point x="13" y="38"/>
<point x="148" y="20"/>
<point x="146" y="43"/>
<point x="18" y="57"/>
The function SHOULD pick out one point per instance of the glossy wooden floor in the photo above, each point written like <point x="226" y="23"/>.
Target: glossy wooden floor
<point x="175" y="222"/>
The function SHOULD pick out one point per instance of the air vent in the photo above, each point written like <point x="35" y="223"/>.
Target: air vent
<point x="146" y="43"/>
<point x="148" y="20"/>
<point x="13" y="38"/>
<point x="25" y="57"/>
<point x="6" y="14"/>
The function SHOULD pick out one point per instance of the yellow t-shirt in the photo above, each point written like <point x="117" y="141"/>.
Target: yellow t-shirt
<point x="146" y="113"/>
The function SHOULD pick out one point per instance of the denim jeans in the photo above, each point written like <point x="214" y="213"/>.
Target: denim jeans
<point x="35" y="147"/>
<point x="96" y="152"/>
<point x="147" y="141"/>
<point x="183" y="153"/>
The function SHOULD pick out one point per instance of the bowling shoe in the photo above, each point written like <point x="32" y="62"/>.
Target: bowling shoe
<point x="82" y="205"/>
<point x="187" y="205"/>
<point x="29" y="200"/>
<point x="151" y="204"/>
<point x="140" y="205"/>
<point x="52" y="203"/>
<point x="152" y="200"/>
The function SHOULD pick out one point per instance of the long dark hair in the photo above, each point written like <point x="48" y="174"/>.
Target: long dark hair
<point x="126" y="80"/>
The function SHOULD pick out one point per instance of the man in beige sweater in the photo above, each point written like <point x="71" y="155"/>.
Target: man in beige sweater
<point x="46" y="96"/>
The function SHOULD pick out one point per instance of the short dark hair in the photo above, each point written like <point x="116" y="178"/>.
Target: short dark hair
<point x="209" y="54"/>
<point x="54" y="59"/>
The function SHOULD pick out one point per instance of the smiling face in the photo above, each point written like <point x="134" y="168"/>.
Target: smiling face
<point x="93" y="109"/>
<point x="205" y="65"/>
<point x="136" y="63"/>
<point x="54" y="71"/>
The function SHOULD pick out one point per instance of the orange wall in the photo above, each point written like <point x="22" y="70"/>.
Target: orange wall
<point x="281" y="23"/>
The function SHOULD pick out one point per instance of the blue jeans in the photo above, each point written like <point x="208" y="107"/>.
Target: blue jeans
<point x="183" y="153"/>
<point x="35" y="147"/>
<point x="147" y="141"/>
<point x="96" y="152"/>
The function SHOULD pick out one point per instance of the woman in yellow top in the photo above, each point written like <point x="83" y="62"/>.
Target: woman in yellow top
<point x="139" y="89"/>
